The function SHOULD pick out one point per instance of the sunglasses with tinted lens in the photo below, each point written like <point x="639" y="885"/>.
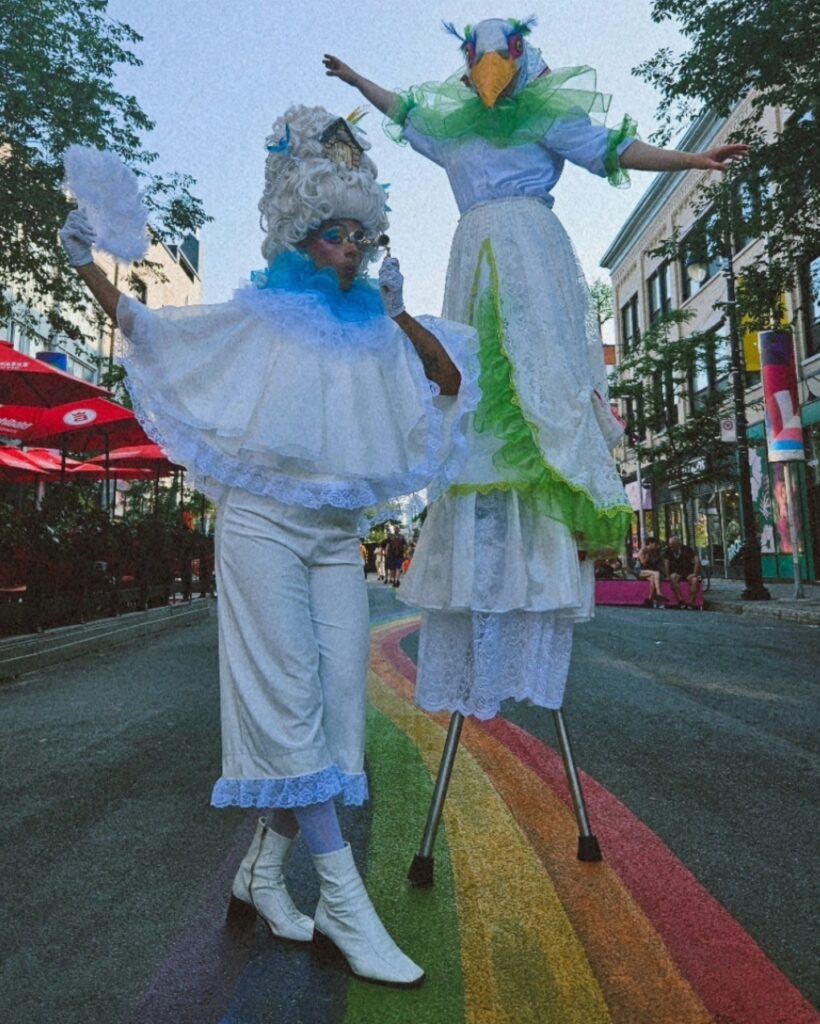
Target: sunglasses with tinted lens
<point x="338" y="235"/>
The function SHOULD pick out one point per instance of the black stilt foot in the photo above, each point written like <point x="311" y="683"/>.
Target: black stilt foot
<point x="588" y="848"/>
<point x="421" y="872"/>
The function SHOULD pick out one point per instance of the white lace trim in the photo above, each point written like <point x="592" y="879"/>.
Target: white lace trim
<point x="295" y="791"/>
<point x="471" y="662"/>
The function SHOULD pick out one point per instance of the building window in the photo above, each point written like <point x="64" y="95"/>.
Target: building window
<point x="82" y="369"/>
<point x="746" y="225"/>
<point x="630" y="331"/>
<point x="712" y="374"/>
<point x="700" y="245"/>
<point x="660" y="294"/>
<point x="635" y="419"/>
<point x="664" y="401"/>
<point x="140" y="289"/>
<point x="810" y="303"/>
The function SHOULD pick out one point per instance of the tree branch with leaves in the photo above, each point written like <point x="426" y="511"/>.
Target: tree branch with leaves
<point x="57" y="69"/>
<point x="765" y="51"/>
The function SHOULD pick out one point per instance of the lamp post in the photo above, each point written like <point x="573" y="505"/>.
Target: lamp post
<point x="698" y="272"/>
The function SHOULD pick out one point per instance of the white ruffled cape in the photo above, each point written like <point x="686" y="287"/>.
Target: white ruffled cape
<point x="272" y="393"/>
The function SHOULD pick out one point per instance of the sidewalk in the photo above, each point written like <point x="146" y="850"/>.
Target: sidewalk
<point x="725" y="596"/>
<point x="29" y="651"/>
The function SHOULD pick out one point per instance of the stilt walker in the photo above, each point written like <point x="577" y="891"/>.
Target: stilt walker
<point x="504" y="564"/>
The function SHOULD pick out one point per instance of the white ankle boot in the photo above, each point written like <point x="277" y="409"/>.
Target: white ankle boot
<point x="346" y="916"/>
<point x="259" y="887"/>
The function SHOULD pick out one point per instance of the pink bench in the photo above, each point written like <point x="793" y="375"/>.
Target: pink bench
<point x="635" y="592"/>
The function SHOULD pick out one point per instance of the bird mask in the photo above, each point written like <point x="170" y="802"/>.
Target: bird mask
<point x="500" y="61"/>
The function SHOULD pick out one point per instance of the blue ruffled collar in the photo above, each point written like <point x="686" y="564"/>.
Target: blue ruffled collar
<point x="293" y="271"/>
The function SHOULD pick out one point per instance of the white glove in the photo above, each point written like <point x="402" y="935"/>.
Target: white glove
<point x="391" y="285"/>
<point x="77" y="237"/>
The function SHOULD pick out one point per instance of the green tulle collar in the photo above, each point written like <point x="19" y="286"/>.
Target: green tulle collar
<point x="451" y="110"/>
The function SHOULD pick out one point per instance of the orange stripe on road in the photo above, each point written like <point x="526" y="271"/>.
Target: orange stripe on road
<point x="522" y="961"/>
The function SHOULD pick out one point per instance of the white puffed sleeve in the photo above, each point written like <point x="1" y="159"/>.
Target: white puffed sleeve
<point x="433" y="149"/>
<point x="275" y="395"/>
<point x="583" y="143"/>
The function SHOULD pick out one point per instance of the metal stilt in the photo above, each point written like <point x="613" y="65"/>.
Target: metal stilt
<point x="588" y="848"/>
<point x="421" y="870"/>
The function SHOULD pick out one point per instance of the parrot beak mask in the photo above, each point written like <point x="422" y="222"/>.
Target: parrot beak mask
<point x="491" y="75"/>
<point x="500" y="62"/>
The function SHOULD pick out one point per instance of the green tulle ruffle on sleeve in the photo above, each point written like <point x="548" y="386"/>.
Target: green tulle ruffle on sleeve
<point x="451" y="110"/>
<point x="500" y="412"/>
<point x="615" y="174"/>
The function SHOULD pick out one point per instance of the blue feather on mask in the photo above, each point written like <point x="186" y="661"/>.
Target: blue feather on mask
<point x="450" y="27"/>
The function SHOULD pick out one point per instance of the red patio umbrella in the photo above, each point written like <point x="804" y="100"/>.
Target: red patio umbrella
<point x="96" y="471"/>
<point x="95" y="425"/>
<point x="28" y="381"/>
<point x="48" y="460"/>
<point x="17" y="468"/>
<point x="51" y="462"/>
<point x="141" y="456"/>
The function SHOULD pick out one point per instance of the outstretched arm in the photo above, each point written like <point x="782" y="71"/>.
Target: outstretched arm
<point x="438" y="367"/>
<point x="77" y="237"/>
<point x="382" y="99"/>
<point x="642" y="157"/>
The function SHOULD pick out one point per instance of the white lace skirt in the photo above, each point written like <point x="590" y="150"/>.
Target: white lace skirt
<point x="472" y="661"/>
<point x="500" y="587"/>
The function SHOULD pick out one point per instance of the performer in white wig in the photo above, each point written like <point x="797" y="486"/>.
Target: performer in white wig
<point x="309" y="397"/>
<point x="497" y="570"/>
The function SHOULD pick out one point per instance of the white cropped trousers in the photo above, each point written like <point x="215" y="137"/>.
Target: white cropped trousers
<point x="293" y="654"/>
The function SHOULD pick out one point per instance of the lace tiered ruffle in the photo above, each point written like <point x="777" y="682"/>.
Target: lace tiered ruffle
<point x="272" y="394"/>
<point x="297" y="791"/>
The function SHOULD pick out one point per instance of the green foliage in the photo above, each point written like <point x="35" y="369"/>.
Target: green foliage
<point x="113" y="378"/>
<point x="658" y="369"/>
<point x="380" y="531"/>
<point x="57" y="65"/>
<point x="601" y="295"/>
<point x="766" y="50"/>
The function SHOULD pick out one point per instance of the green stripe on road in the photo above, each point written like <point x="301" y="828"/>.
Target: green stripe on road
<point x="423" y="922"/>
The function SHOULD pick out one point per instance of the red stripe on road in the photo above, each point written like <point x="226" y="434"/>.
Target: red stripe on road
<point x="737" y="982"/>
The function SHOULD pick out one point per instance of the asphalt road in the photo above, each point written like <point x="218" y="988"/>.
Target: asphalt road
<point x="705" y="725"/>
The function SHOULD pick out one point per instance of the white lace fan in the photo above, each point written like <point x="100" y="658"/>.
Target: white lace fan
<point x="108" y="193"/>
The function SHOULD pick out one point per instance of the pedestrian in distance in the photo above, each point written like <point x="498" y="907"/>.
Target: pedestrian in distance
<point x="649" y="567"/>
<point x="680" y="562"/>
<point x="396" y="546"/>
<point x="276" y="403"/>
<point x="498" y="570"/>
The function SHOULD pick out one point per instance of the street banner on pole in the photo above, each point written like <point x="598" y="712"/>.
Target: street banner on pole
<point x="784" y="430"/>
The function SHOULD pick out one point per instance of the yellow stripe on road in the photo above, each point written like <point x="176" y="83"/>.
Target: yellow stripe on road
<point x="521" y="959"/>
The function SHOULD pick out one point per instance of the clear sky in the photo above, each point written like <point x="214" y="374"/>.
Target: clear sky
<point x="216" y="73"/>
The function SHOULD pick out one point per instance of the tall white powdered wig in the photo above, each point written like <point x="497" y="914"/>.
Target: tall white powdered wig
<point x="316" y="171"/>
